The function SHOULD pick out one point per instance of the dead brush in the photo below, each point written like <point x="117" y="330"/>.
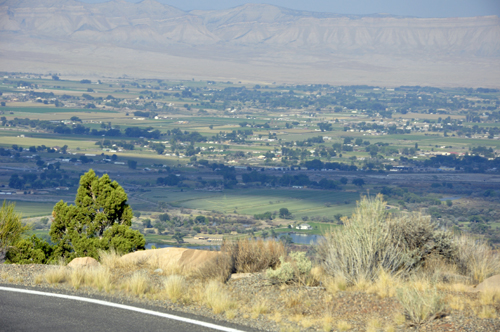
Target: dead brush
<point x="254" y="255"/>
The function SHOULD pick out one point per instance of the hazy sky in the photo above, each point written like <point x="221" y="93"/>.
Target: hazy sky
<point x="419" y="8"/>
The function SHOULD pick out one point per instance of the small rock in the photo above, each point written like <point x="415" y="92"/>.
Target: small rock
<point x="158" y="271"/>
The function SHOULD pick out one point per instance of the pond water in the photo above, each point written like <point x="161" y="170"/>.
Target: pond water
<point x="450" y="198"/>
<point x="163" y="245"/>
<point x="303" y="238"/>
<point x="297" y="238"/>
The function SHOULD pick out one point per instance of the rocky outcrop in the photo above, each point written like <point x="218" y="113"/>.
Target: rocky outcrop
<point x="83" y="262"/>
<point x="170" y="258"/>
<point x="489" y="284"/>
<point x="155" y="25"/>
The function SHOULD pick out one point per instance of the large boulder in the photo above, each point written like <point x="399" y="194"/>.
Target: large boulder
<point x="166" y="258"/>
<point x="83" y="262"/>
<point x="490" y="284"/>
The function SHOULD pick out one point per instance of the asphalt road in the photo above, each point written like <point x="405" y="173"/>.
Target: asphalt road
<point x="29" y="312"/>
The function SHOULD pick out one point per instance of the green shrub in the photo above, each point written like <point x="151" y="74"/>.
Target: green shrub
<point x="11" y="228"/>
<point x="363" y="247"/>
<point x="31" y="251"/>
<point x="296" y="269"/>
<point x="373" y="240"/>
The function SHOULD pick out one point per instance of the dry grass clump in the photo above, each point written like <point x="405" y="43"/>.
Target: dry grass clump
<point x="77" y="277"/>
<point x="277" y="317"/>
<point x="399" y="319"/>
<point x="110" y="258"/>
<point x="231" y="314"/>
<point x="373" y="325"/>
<point x="217" y="297"/>
<point x="420" y="306"/>
<point x="327" y="323"/>
<point x="293" y="301"/>
<point x="385" y="285"/>
<point x="307" y="322"/>
<point x="56" y="275"/>
<point x="138" y="284"/>
<point x="456" y="302"/>
<point x="335" y="284"/>
<point x="343" y="326"/>
<point x="487" y="312"/>
<point x="175" y="287"/>
<point x="476" y="259"/>
<point x="39" y="279"/>
<point x="260" y="308"/>
<point x="97" y="277"/>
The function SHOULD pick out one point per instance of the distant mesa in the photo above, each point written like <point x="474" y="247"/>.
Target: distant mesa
<point x="242" y="41"/>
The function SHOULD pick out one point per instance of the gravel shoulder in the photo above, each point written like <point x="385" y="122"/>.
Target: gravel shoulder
<point x="287" y="307"/>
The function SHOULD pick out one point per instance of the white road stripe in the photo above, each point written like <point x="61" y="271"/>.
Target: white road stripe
<point x="122" y="306"/>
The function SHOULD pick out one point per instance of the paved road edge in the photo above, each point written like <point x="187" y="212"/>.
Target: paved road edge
<point x="121" y="306"/>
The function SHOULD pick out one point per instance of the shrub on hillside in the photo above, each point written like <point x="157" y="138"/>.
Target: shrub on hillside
<point x="254" y="255"/>
<point x="373" y="240"/>
<point x="242" y="256"/>
<point x="32" y="250"/>
<point x="297" y="268"/>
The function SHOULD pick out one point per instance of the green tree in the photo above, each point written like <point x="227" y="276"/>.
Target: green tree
<point x="358" y="182"/>
<point x="132" y="164"/>
<point x="11" y="228"/>
<point x="164" y="217"/>
<point x="178" y="237"/>
<point x="147" y="223"/>
<point x="100" y="219"/>
<point x="160" y="227"/>
<point x="286" y="239"/>
<point x="284" y="213"/>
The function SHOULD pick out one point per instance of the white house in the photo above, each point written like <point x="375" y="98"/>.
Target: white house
<point x="304" y="226"/>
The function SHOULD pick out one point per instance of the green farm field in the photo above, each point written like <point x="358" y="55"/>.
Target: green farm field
<point x="32" y="209"/>
<point x="301" y="203"/>
<point x="41" y="110"/>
